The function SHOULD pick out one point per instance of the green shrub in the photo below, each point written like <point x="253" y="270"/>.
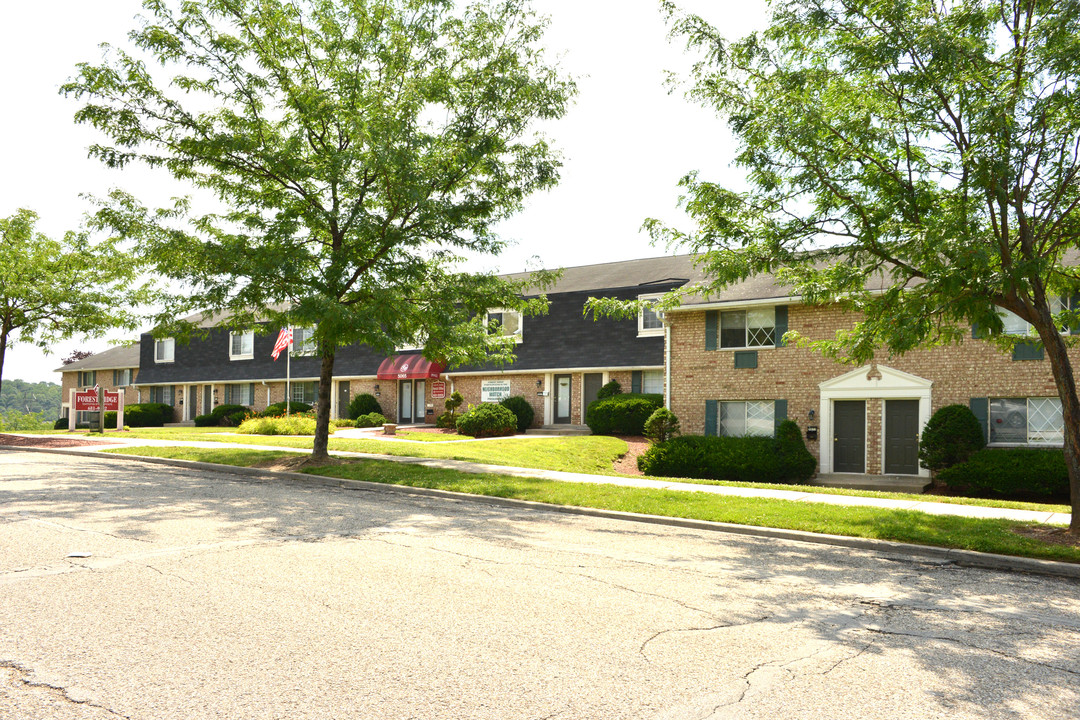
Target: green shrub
<point x="364" y="404"/>
<point x="623" y="414"/>
<point x="662" y="425"/>
<point x="372" y="419"/>
<point x="610" y="389"/>
<point x="487" y="420"/>
<point x="292" y="425"/>
<point x="1011" y="472"/>
<point x="13" y="420"/>
<point x="279" y="409"/>
<point x="951" y="435"/>
<point x="143" y="415"/>
<point x="343" y="422"/>
<point x="522" y="410"/>
<point x="228" y="415"/>
<point x="61" y="424"/>
<point x="741" y="459"/>
<point x="447" y="420"/>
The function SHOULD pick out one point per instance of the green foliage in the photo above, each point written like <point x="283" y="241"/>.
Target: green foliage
<point x="1011" y="472"/>
<point x="448" y="420"/>
<point x="522" y="410"/>
<point x="609" y="389"/>
<point x="360" y="149"/>
<point x="228" y="415"/>
<point x="54" y="289"/>
<point x="292" y="425"/>
<point x="622" y="414"/>
<point x="798" y="463"/>
<point x="364" y="404"/>
<point x="62" y="423"/>
<point x="343" y="422"/>
<point x="25" y="397"/>
<point x="662" y="425"/>
<point x="13" y="421"/>
<point x="142" y="415"/>
<point x="487" y="420"/>
<point x="372" y="419"/>
<point x="279" y="408"/>
<point x="951" y="435"/>
<point x="740" y="459"/>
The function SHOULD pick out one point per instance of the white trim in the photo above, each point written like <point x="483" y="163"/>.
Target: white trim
<point x="667" y="366"/>
<point x="856" y="385"/>
<point x="649" y="332"/>
<point x="736" y="304"/>
<point x="242" y="355"/>
<point x="518" y="336"/>
<point x="170" y="356"/>
<point x="561" y="371"/>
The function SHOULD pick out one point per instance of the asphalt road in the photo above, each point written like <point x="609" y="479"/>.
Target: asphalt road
<point x="207" y="596"/>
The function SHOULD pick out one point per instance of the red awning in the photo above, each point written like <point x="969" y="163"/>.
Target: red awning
<point x="409" y="367"/>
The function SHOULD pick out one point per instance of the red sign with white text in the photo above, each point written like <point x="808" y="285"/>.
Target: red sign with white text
<point x="86" y="401"/>
<point x="438" y="390"/>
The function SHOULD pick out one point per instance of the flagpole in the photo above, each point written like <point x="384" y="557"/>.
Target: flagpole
<point x="288" y="374"/>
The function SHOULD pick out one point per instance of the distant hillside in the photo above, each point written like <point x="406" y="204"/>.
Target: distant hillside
<point x="24" y="397"/>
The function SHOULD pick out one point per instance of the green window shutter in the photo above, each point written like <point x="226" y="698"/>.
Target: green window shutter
<point x="779" y="412"/>
<point x="710" y="417"/>
<point x="712" y="322"/>
<point x="635" y="381"/>
<point x="115" y="377"/>
<point x="745" y="359"/>
<point x="1074" y="304"/>
<point x="781" y="325"/>
<point x="980" y="407"/>
<point x="977" y="332"/>
<point x="1028" y="350"/>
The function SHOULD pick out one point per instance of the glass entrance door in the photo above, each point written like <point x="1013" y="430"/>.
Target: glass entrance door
<point x="405" y="402"/>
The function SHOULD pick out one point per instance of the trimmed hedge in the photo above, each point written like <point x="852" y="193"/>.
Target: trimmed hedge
<point x="63" y="424"/>
<point x="292" y="425"/>
<point x="951" y="435"/>
<point x="372" y="419"/>
<point x="522" y="410"/>
<point x="609" y="390"/>
<point x="142" y="415"/>
<point x="623" y="414"/>
<point x="279" y="409"/>
<point x="783" y="459"/>
<point x="487" y="420"/>
<point x="1011" y="472"/>
<point x="364" y="404"/>
<point x="662" y="425"/>
<point x="228" y="415"/>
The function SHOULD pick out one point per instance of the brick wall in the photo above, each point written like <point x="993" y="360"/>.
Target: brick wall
<point x="69" y="381"/>
<point x="960" y="372"/>
<point x="524" y="385"/>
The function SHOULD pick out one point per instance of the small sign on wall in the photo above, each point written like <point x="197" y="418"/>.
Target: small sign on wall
<point x="492" y="391"/>
<point x="438" y="390"/>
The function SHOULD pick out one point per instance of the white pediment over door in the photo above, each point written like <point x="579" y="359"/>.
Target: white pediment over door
<point x="875" y="381"/>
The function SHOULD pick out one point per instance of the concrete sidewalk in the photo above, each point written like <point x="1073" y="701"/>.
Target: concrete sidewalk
<point x="808" y="496"/>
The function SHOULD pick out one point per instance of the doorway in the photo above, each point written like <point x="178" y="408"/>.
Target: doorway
<point x="343" y="399"/>
<point x="590" y="388"/>
<point x="411" y="395"/>
<point x="902" y="437"/>
<point x="849" y="436"/>
<point x="563" y="387"/>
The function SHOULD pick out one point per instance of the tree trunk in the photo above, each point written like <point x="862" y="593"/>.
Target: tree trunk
<point x="319" y="450"/>
<point x="1061" y="367"/>
<point x="3" y="351"/>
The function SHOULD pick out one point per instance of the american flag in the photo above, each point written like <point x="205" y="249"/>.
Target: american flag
<point x="284" y="340"/>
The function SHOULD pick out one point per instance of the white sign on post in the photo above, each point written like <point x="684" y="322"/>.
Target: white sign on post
<point x="492" y="391"/>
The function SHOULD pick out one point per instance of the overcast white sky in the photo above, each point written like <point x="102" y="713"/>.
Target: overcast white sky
<point x="626" y="142"/>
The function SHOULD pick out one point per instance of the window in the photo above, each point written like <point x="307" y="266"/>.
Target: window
<point x="87" y="378"/>
<point x="650" y="321"/>
<point x="304" y="392"/>
<point x="242" y="345"/>
<point x="747" y="328"/>
<point x="303" y="341"/>
<point x="1014" y="325"/>
<point x="652" y="381"/>
<point x="162" y="394"/>
<point x="163" y="350"/>
<point x="1026" y="421"/>
<point x="240" y="394"/>
<point x="754" y="417"/>
<point x="504" y="323"/>
<point x="121" y="378"/>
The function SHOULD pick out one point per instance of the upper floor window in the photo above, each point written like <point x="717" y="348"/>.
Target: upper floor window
<point x="1015" y="325"/>
<point x="303" y="341"/>
<point x="504" y="323"/>
<point x="751" y="328"/>
<point x="242" y="345"/>
<point x="87" y="378"/>
<point x="1026" y="421"/>
<point x="650" y="321"/>
<point x="164" y="349"/>
<point x="122" y="378"/>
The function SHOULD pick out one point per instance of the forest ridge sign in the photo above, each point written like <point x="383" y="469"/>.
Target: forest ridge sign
<point x="87" y="401"/>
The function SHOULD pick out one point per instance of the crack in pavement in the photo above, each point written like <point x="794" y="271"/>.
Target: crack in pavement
<point x="641" y="650"/>
<point x="26" y="518"/>
<point x="965" y="606"/>
<point x="24" y="674"/>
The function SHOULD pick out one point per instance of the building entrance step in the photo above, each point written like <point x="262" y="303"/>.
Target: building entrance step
<point x="560" y="430"/>
<point x="884" y="483"/>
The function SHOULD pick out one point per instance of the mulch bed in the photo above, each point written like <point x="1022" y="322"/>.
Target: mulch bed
<point x="49" y="441"/>
<point x="635" y="445"/>
<point x="1049" y="535"/>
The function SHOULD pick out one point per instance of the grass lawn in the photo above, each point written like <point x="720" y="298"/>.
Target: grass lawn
<point x="994" y="536"/>
<point x="431" y="437"/>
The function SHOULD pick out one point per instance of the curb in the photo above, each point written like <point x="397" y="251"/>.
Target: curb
<point x="961" y="558"/>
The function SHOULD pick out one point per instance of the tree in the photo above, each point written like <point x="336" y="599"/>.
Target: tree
<point x="77" y="355"/>
<point x="52" y="290"/>
<point x="359" y="149"/>
<point x="914" y="161"/>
